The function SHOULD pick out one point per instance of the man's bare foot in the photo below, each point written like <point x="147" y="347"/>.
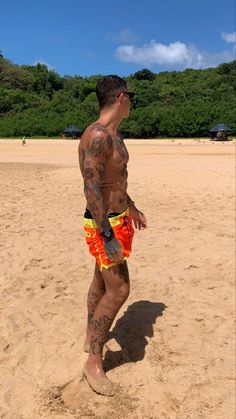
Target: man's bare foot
<point x="101" y="385"/>
<point x="105" y="348"/>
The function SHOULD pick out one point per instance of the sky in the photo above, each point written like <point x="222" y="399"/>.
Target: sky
<point x="88" y="37"/>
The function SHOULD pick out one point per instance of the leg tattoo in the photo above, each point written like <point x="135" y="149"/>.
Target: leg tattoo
<point x="93" y="299"/>
<point x="96" y="292"/>
<point x="100" y="328"/>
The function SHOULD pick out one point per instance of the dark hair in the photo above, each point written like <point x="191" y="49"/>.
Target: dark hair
<point x="107" y="88"/>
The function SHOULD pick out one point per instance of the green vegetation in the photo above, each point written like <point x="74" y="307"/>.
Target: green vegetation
<point x="35" y="101"/>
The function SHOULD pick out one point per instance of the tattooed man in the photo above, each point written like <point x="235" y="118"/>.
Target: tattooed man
<point x="108" y="222"/>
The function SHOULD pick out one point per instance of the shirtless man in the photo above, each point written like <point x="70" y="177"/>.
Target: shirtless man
<point x="108" y="220"/>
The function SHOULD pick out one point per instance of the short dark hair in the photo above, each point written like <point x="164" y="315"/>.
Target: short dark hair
<point x="107" y="88"/>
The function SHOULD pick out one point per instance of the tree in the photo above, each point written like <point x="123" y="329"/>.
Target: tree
<point x="37" y="101"/>
<point x="144" y="74"/>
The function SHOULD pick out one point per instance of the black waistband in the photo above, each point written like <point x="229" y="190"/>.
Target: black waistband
<point x="88" y="214"/>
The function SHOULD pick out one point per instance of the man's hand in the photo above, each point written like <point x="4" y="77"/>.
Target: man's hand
<point x="139" y="219"/>
<point x="113" y="251"/>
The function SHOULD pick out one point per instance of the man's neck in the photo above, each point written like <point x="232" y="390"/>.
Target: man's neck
<point x="110" y="121"/>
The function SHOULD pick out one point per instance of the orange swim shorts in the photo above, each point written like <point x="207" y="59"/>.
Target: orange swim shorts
<point x="123" y="230"/>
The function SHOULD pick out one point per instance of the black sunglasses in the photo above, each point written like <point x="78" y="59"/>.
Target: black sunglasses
<point x="130" y="94"/>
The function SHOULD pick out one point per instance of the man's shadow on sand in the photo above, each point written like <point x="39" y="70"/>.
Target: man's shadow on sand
<point x="130" y="331"/>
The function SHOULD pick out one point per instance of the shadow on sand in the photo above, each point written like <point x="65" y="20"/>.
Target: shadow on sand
<point x="131" y="331"/>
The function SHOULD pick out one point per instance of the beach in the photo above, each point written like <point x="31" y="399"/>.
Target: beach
<point x="173" y="342"/>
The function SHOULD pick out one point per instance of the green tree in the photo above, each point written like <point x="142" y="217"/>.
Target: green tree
<point x="144" y="74"/>
<point x="37" y="101"/>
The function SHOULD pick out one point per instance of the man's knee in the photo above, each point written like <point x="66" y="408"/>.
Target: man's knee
<point x="124" y="291"/>
<point x="117" y="282"/>
<point x="124" y="288"/>
<point x="119" y="294"/>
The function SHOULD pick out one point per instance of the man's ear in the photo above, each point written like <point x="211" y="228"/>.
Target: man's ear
<point x="121" y="97"/>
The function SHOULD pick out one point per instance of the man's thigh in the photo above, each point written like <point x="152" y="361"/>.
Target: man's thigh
<point x="116" y="276"/>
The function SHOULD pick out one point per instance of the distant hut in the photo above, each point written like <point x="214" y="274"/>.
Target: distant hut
<point x="72" y="131"/>
<point x="220" y="132"/>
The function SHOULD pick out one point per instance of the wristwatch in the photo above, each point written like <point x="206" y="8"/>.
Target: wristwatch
<point x="107" y="234"/>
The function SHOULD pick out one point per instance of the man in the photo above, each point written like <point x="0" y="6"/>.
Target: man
<point x="108" y="219"/>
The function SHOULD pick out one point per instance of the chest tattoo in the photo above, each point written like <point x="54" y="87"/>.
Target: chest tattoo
<point x="121" y="147"/>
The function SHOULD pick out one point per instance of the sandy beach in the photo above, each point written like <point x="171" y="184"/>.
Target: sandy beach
<point x="173" y="341"/>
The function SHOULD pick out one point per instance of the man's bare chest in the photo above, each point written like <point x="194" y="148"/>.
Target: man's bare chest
<point x="120" y="153"/>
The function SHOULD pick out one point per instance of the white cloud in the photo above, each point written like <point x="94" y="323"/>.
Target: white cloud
<point x="229" y="37"/>
<point x="176" y="54"/>
<point x="41" y="61"/>
<point x="125" y="35"/>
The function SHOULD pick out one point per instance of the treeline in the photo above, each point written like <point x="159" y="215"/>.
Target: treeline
<point x="35" y="101"/>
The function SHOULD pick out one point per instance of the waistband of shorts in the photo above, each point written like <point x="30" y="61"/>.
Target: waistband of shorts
<point x="114" y="221"/>
<point x="88" y="214"/>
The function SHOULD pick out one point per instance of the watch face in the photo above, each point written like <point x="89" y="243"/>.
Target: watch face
<point x="107" y="233"/>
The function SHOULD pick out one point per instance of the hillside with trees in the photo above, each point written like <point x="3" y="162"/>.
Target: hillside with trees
<point x="36" y="101"/>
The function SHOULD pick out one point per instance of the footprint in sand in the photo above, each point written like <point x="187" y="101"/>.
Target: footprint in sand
<point x="191" y="267"/>
<point x="34" y="262"/>
<point x="8" y="348"/>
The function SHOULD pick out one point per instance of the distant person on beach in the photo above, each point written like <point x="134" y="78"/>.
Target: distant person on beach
<point x="108" y="222"/>
<point x="221" y="135"/>
<point x="23" y="140"/>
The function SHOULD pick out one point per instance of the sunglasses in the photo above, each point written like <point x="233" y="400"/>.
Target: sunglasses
<point x="130" y="94"/>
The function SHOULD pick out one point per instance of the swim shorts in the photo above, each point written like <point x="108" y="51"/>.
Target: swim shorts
<point x="123" y="231"/>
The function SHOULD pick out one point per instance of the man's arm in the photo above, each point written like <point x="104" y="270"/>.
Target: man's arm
<point x="139" y="219"/>
<point x="93" y="170"/>
<point x="129" y="201"/>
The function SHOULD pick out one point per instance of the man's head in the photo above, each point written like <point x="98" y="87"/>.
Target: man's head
<point x="112" y="90"/>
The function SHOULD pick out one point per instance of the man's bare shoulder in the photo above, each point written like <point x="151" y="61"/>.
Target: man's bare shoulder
<point x="96" y="137"/>
<point x="96" y="130"/>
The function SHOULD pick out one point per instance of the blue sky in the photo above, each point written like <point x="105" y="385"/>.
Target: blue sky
<point x="87" y="37"/>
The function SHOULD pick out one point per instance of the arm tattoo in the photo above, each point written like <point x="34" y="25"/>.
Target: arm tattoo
<point x="96" y="148"/>
<point x="88" y="173"/>
<point x="112" y="247"/>
<point x="93" y="164"/>
<point x="97" y="190"/>
<point x="100" y="167"/>
<point x="108" y="136"/>
<point x="99" y="146"/>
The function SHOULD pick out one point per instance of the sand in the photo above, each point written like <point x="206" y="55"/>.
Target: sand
<point x="173" y="340"/>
